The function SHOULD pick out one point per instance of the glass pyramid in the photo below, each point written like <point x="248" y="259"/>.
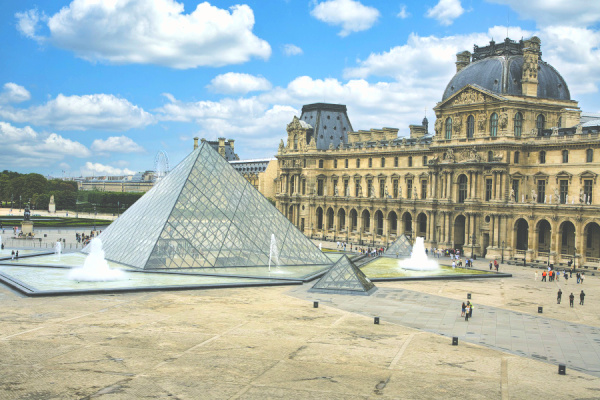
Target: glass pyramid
<point x="344" y="278"/>
<point x="205" y="214"/>
<point x="400" y="248"/>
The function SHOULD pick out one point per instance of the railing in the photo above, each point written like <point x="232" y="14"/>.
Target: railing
<point x="592" y="260"/>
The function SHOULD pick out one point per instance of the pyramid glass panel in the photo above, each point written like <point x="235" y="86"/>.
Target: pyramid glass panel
<point x="204" y="214"/>
<point x="400" y="248"/>
<point x="344" y="278"/>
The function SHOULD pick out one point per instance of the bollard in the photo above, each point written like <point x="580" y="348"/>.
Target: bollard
<point x="376" y="321"/>
<point x="455" y="341"/>
<point x="316" y="304"/>
<point x="562" y="369"/>
<point x="468" y="296"/>
<point x="540" y="310"/>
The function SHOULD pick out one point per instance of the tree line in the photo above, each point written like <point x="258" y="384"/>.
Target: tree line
<point x="17" y="190"/>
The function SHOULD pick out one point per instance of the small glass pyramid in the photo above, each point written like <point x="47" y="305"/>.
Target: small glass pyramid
<point x="205" y="214"/>
<point x="344" y="278"/>
<point x="400" y="248"/>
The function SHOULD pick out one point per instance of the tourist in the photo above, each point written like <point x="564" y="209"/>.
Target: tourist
<point x="17" y="255"/>
<point x="536" y="276"/>
<point x="544" y="276"/>
<point x="464" y="306"/>
<point x="467" y="311"/>
<point x="550" y="276"/>
<point x="581" y="278"/>
<point x="471" y="310"/>
<point x="557" y="275"/>
<point x="491" y="265"/>
<point x="571" y="298"/>
<point x="558" y="296"/>
<point x="581" y="297"/>
<point x="566" y="276"/>
<point x="578" y="277"/>
<point x="453" y="264"/>
<point x="12" y="255"/>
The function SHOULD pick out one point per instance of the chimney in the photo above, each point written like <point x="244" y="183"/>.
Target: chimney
<point x="195" y="142"/>
<point x="231" y="144"/>
<point x="531" y="56"/>
<point x="462" y="60"/>
<point x="222" y="146"/>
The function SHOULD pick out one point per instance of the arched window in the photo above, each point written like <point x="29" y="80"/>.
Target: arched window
<point x="565" y="156"/>
<point x="518" y="124"/>
<point x="589" y="155"/>
<point x="542" y="157"/>
<point x="494" y="124"/>
<point x="517" y="157"/>
<point x="462" y="188"/>
<point x="490" y="156"/>
<point x="448" y="128"/>
<point x="470" y="126"/>
<point x="319" y="218"/>
<point x="539" y="124"/>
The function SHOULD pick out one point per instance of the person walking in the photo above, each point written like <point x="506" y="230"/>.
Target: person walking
<point x="581" y="297"/>
<point x="557" y="273"/>
<point x="578" y="277"/>
<point x="571" y="299"/>
<point x="550" y="276"/>
<point x="581" y="278"/>
<point x="12" y="255"/>
<point x="566" y="276"/>
<point x="491" y="264"/>
<point x="464" y="306"/>
<point x="536" y="276"/>
<point x="544" y="276"/>
<point x="558" y="296"/>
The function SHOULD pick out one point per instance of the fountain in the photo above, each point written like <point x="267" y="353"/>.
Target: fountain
<point x="58" y="249"/>
<point x="418" y="260"/>
<point x="95" y="267"/>
<point x="273" y="252"/>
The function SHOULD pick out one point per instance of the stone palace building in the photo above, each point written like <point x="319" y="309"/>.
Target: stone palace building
<point x="510" y="170"/>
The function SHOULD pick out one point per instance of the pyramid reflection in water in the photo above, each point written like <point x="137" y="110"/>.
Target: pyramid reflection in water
<point x="204" y="214"/>
<point x="344" y="278"/>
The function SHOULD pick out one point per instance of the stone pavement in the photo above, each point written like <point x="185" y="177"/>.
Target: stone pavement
<point x="523" y="334"/>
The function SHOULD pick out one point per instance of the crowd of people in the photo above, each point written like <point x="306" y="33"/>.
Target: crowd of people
<point x="85" y="239"/>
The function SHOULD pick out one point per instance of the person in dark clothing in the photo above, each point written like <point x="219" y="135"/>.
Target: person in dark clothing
<point x="558" y="296"/>
<point x="581" y="297"/>
<point x="571" y="299"/>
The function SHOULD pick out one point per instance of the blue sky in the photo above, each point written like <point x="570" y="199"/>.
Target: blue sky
<point x="96" y="87"/>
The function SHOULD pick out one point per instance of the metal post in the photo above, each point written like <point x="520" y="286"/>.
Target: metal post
<point x="574" y="257"/>
<point x="472" y="244"/>
<point x="502" y="260"/>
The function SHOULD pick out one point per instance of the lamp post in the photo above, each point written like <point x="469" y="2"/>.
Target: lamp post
<point x="472" y="244"/>
<point x="548" y="257"/>
<point x="118" y="205"/>
<point x="502" y="259"/>
<point x="574" y="257"/>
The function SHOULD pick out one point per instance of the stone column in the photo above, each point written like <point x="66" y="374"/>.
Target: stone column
<point x="492" y="231"/>
<point x="449" y="231"/>
<point x="467" y="229"/>
<point x="470" y="185"/>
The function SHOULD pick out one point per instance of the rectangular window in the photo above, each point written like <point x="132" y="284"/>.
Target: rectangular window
<point x="335" y="163"/>
<point x="488" y="189"/>
<point x="346" y="190"/>
<point x="382" y="188"/>
<point x="515" y="188"/>
<point x="335" y="182"/>
<point x="304" y="162"/>
<point x="541" y="190"/>
<point x="423" y="189"/>
<point x="541" y="195"/>
<point x="357" y="188"/>
<point x="395" y="188"/>
<point x="410" y="161"/>
<point x="358" y="163"/>
<point x="587" y="191"/>
<point x="370" y="188"/>
<point x="370" y="162"/>
<point x="302" y="224"/>
<point x="303" y="186"/>
<point x="409" y="188"/>
<point x="320" y="163"/>
<point x="564" y="191"/>
<point x="516" y="157"/>
<point x="346" y="163"/>
<point x="320" y="187"/>
<point x="382" y="162"/>
<point x="424" y="161"/>
<point x="396" y="162"/>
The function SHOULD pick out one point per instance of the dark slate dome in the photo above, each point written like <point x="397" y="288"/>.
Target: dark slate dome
<point x="502" y="74"/>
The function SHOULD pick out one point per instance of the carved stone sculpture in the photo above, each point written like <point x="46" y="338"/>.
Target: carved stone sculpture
<point x="503" y="120"/>
<point x="533" y="196"/>
<point x="481" y="120"/>
<point x="512" y="194"/>
<point x="399" y="192"/>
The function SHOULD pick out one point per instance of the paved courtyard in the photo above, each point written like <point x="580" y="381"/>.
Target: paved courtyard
<point x="260" y="343"/>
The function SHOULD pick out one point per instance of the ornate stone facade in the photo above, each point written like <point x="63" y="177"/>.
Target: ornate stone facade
<point x="504" y="174"/>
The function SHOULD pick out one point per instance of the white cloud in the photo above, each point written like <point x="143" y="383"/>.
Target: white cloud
<point x="152" y="32"/>
<point x="403" y="14"/>
<point x="351" y="15"/>
<point x="116" y="144"/>
<point x="13" y="93"/>
<point x="573" y="12"/>
<point x="102" y="169"/>
<point x="292" y="50"/>
<point x="28" y="21"/>
<point x="26" y="148"/>
<point x="95" y="111"/>
<point x="446" y="11"/>
<point x="233" y="82"/>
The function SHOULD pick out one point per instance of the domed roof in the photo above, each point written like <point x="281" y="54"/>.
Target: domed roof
<point x="502" y="74"/>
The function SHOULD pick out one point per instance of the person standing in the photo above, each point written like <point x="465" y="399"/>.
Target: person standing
<point x="557" y="274"/>
<point x="464" y="306"/>
<point x="578" y="277"/>
<point x="536" y="275"/>
<point x="491" y="264"/>
<point x="453" y="264"/>
<point x="471" y="310"/>
<point x="571" y="299"/>
<point x="581" y="297"/>
<point x="566" y="276"/>
<point x="550" y="276"/>
<point x="558" y="296"/>
<point x="544" y="276"/>
<point x="581" y="278"/>
<point x="467" y="311"/>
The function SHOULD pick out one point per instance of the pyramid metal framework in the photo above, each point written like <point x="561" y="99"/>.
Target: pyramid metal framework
<point x="400" y="248"/>
<point x="344" y="277"/>
<point x="205" y="214"/>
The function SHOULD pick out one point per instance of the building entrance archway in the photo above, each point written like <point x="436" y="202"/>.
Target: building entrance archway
<point x="521" y="234"/>
<point x="567" y="238"/>
<point x="459" y="232"/>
